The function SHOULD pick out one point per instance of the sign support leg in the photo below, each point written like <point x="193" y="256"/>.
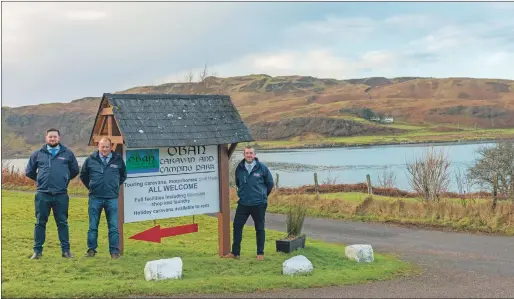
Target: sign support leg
<point x="224" y="214"/>
<point x="121" y="209"/>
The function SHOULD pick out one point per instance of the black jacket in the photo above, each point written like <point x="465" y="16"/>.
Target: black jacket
<point x="52" y="174"/>
<point x="103" y="181"/>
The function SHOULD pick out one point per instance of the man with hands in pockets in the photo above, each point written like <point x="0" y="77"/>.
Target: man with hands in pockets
<point x="103" y="173"/>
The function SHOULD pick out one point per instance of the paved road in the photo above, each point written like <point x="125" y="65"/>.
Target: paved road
<point x="455" y="264"/>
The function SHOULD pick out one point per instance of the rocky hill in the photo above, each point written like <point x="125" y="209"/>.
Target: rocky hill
<point x="280" y="108"/>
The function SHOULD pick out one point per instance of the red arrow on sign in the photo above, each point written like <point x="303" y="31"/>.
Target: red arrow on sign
<point x="155" y="233"/>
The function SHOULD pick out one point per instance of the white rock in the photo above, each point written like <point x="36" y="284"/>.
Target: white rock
<point x="164" y="269"/>
<point x="297" y="265"/>
<point x="359" y="253"/>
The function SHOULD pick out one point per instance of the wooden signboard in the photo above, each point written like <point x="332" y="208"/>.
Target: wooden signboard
<point x="172" y="171"/>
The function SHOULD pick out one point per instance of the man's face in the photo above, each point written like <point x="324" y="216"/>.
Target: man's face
<point x="104" y="147"/>
<point x="249" y="155"/>
<point x="52" y="138"/>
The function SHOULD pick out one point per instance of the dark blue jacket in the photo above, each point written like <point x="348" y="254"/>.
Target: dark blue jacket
<point x="103" y="181"/>
<point x="253" y="189"/>
<point x="52" y="174"/>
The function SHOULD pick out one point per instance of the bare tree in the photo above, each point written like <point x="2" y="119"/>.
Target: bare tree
<point x="387" y="178"/>
<point x="464" y="185"/>
<point x="188" y="82"/>
<point x="189" y="77"/>
<point x="494" y="169"/>
<point x="429" y="174"/>
<point x="203" y="74"/>
<point x="203" y="82"/>
<point x="330" y="180"/>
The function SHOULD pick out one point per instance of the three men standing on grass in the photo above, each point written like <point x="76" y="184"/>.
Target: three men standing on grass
<point x="52" y="167"/>
<point x="254" y="183"/>
<point x="102" y="173"/>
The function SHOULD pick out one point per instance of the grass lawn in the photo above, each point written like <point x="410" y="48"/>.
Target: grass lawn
<point x="204" y="271"/>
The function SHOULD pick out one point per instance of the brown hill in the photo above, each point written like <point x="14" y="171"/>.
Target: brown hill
<point x="278" y="108"/>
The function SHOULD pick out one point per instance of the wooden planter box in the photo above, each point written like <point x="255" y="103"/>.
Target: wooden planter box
<point x="288" y="246"/>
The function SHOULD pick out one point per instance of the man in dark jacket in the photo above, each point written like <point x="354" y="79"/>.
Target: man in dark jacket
<point x="52" y="167"/>
<point x="102" y="173"/>
<point x="254" y="184"/>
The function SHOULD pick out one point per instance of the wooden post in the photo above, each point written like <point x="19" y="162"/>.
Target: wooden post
<point x="109" y="125"/>
<point x="368" y="182"/>
<point x="316" y="186"/>
<point x="276" y="181"/>
<point x="495" y="191"/>
<point x="224" y="214"/>
<point x="121" y="207"/>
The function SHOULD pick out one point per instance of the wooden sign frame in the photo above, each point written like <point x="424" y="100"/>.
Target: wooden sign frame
<point x="106" y="125"/>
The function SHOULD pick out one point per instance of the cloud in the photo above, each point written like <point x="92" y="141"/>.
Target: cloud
<point x="501" y="5"/>
<point x="319" y="62"/>
<point x="330" y="30"/>
<point x="62" y="51"/>
<point x="410" y="20"/>
<point x="341" y="26"/>
<point x="87" y="15"/>
<point x="444" y="39"/>
<point x="448" y="46"/>
<point x="497" y="59"/>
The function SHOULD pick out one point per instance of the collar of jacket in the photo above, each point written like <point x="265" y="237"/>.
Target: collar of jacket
<point x="257" y="164"/>
<point x="61" y="149"/>
<point x="96" y="155"/>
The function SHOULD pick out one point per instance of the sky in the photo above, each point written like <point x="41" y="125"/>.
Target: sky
<point x="59" y="52"/>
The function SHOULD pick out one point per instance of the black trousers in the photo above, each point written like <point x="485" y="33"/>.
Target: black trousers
<point x="258" y="214"/>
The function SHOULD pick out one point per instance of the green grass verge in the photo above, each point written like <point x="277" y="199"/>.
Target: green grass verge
<point x="204" y="271"/>
<point x="411" y="136"/>
<point x="450" y="214"/>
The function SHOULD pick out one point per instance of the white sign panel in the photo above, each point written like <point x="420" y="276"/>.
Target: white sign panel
<point x="170" y="182"/>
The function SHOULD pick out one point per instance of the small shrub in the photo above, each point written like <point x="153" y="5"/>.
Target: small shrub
<point x="296" y="213"/>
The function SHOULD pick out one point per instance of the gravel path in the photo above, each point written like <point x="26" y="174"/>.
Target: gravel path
<point x="455" y="264"/>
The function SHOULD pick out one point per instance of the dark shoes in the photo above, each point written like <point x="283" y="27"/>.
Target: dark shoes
<point x="36" y="256"/>
<point x="90" y="253"/>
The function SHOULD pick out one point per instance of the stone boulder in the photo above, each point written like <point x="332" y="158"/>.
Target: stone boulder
<point x="164" y="269"/>
<point x="297" y="265"/>
<point x="359" y="253"/>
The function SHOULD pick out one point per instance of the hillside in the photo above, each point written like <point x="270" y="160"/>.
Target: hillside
<point x="305" y="109"/>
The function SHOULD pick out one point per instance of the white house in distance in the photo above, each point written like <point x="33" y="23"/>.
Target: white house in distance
<point x="386" y="120"/>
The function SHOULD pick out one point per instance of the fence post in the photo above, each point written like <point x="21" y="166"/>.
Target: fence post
<point x="276" y="181"/>
<point x="368" y="182"/>
<point x="316" y="185"/>
<point x="495" y="192"/>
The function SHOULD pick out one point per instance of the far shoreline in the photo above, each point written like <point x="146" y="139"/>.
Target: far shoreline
<point x="384" y="144"/>
<point x="341" y="145"/>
